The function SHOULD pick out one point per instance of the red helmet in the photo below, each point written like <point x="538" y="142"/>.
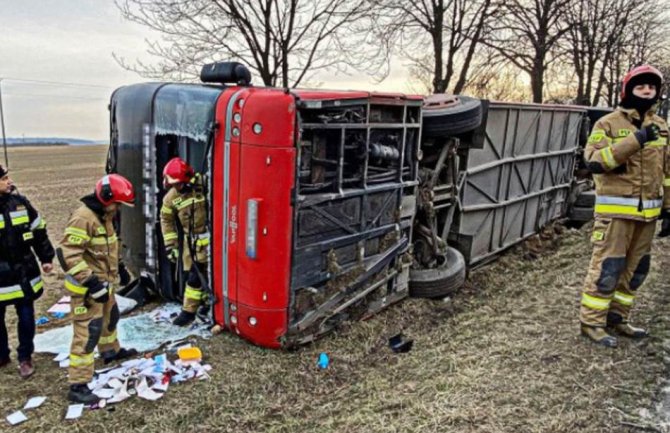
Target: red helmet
<point x="114" y="188"/>
<point x="654" y="77"/>
<point x="177" y="171"/>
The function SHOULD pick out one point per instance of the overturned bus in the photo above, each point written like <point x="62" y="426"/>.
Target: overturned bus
<point x="326" y="206"/>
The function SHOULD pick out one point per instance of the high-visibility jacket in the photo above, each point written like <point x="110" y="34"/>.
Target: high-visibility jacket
<point x="22" y="231"/>
<point x="90" y="246"/>
<point x="631" y="182"/>
<point x="189" y="208"/>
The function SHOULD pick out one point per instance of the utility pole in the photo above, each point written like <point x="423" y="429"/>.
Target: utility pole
<point x="2" y="120"/>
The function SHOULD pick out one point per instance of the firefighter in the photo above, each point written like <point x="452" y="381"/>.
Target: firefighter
<point x="627" y="152"/>
<point x="90" y="258"/>
<point x="22" y="232"/>
<point x="185" y="201"/>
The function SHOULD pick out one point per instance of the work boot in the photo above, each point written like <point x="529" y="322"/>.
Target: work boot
<point x="80" y="393"/>
<point x="26" y="369"/>
<point x="599" y="335"/>
<point x="120" y="355"/>
<point x="626" y="330"/>
<point x="4" y="362"/>
<point x="184" y="318"/>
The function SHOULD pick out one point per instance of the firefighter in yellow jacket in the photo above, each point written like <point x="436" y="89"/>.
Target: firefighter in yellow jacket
<point x="627" y="152"/>
<point x="89" y="254"/>
<point x="185" y="202"/>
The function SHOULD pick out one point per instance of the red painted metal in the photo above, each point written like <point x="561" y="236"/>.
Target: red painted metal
<point x="261" y="167"/>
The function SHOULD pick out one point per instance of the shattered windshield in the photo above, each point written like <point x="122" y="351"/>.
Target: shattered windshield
<point x="183" y="115"/>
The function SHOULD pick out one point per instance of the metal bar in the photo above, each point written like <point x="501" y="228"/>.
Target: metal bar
<point x="322" y="126"/>
<point x="496" y="163"/>
<point x="508" y="202"/>
<point x="314" y="199"/>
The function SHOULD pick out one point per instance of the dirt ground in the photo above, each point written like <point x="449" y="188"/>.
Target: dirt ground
<point x="503" y="355"/>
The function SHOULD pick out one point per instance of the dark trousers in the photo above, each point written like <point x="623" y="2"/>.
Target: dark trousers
<point x="26" y="326"/>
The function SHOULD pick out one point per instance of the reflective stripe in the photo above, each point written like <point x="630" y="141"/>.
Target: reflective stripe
<point x="2" y="222"/>
<point x="627" y="206"/>
<point x="192" y="293"/>
<point x="100" y="293"/>
<point x="11" y="292"/>
<point x="166" y="209"/>
<point x="19" y="217"/>
<point x="666" y="181"/>
<point x="170" y="236"/>
<point x="594" y="303"/>
<point x="103" y="240"/>
<point x="27" y="236"/>
<point x="608" y="157"/>
<point x="185" y="203"/>
<point x="624" y="299"/>
<point x="202" y="239"/>
<point x="73" y="285"/>
<point x="37" y="284"/>
<point x="659" y="142"/>
<point x="39" y="223"/>
<point x="81" y="361"/>
<point x="77" y="232"/>
<point x="101" y="230"/>
<point x="597" y="135"/>
<point x="628" y="201"/>
<point x="109" y="339"/>
<point x="78" y="268"/>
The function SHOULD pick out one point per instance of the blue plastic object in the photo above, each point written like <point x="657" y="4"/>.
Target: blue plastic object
<point x="323" y="361"/>
<point x="59" y="315"/>
<point x="42" y="320"/>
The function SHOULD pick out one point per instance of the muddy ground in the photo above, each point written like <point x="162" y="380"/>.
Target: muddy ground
<point x="503" y="355"/>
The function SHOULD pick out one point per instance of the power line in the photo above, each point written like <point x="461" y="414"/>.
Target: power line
<point x="37" y="95"/>
<point x="55" y="83"/>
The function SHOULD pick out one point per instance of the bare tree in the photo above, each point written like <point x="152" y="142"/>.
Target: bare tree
<point x="527" y="35"/>
<point x="284" y="41"/>
<point x="597" y="28"/>
<point x="451" y="28"/>
<point x="646" y="39"/>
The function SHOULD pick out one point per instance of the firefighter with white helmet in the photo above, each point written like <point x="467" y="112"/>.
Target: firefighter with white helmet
<point x="628" y="155"/>
<point x="185" y="202"/>
<point x="89" y="254"/>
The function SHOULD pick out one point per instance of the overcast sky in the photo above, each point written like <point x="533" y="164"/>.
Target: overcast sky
<point x="72" y="41"/>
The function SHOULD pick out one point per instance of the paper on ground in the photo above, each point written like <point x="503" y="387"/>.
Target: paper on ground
<point x="143" y="391"/>
<point x="62" y="356"/>
<point x="62" y="306"/>
<point x="139" y="332"/>
<point x="74" y="411"/>
<point x="64" y="363"/>
<point x="16" y="418"/>
<point x="34" y="402"/>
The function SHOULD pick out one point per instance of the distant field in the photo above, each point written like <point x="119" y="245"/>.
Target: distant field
<point x="502" y="355"/>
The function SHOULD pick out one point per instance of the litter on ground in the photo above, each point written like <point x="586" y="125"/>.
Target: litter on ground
<point x="17" y="418"/>
<point x="144" y="332"/>
<point x="34" y="403"/>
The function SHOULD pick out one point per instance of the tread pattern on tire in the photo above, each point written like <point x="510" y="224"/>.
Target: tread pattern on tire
<point x="440" y="282"/>
<point x="450" y="121"/>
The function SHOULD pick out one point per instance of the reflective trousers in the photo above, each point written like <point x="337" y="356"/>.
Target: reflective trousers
<point x="619" y="265"/>
<point x="193" y="294"/>
<point x="94" y="325"/>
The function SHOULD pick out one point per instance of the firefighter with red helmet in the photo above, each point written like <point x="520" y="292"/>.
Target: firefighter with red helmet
<point x="628" y="155"/>
<point x="89" y="254"/>
<point x="185" y="202"/>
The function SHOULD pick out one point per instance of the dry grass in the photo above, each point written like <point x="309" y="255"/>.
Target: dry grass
<point x="504" y="355"/>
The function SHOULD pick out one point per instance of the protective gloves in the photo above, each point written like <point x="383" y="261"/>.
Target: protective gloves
<point x="646" y="134"/>
<point x="124" y="275"/>
<point x="97" y="290"/>
<point x="172" y="254"/>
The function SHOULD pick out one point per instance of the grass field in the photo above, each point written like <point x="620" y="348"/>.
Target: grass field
<point x="503" y="355"/>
